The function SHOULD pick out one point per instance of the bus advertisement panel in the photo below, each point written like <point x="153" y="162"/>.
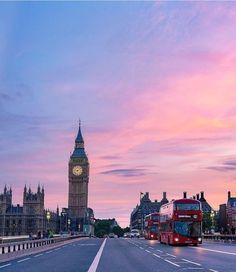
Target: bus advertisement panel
<point x="181" y="222"/>
<point x="151" y="224"/>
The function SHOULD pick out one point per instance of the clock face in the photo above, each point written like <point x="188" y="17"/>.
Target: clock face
<point x="77" y="170"/>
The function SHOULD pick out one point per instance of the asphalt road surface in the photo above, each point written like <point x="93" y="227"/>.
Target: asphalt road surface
<point x="127" y="255"/>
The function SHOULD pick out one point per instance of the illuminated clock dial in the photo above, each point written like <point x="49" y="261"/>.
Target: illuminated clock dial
<point x="77" y="170"/>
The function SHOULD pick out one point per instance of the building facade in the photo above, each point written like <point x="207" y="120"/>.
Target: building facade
<point x="29" y="219"/>
<point x="145" y="207"/>
<point x="231" y="213"/>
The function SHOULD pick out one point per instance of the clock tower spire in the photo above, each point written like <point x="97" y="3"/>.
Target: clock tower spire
<point x="78" y="173"/>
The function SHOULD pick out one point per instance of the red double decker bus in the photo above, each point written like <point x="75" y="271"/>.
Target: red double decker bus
<point x="181" y="222"/>
<point x="151" y="226"/>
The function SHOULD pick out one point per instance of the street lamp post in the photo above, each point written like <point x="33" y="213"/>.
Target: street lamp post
<point x="212" y="221"/>
<point x="48" y="216"/>
<point x="68" y="224"/>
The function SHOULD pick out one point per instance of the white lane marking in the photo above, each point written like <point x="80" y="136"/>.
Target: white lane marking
<point x="151" y="247"/>
<point x="171" y="255"/>
<point x="141" y="247"/>
<point x="23" y="260"/>
<point x="57" y="249"/>
<point x="156" y="255"/>
<point x="217" y="251"/>
<point x="38" y="255"/>
<point x="193" y="268"/>
<point x="159" y="250"/>
<point x="168" y="261"/>
<point x="97" y="258"/>
<point x="213" y="270"/>
<point x="48" y="251"/>
<point x="147" y="251"/>
<point x="191" y="262"/>
<point x="86" y="244"/>
<point x="5" y="265"/>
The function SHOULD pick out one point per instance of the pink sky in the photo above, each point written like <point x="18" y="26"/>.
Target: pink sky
<point x="154" y="85"/>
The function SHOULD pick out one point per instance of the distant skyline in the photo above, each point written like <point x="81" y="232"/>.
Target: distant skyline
<point x="153" y="83"/>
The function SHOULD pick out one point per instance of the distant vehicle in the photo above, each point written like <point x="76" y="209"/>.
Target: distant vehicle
<point x="112" y="235"/>
<point x="181" y="222"/>
<point x="126" y="235"/>
<point x="151" y="226"/>
<point x="134" y="233"/>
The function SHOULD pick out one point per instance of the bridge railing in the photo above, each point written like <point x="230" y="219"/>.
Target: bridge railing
<point x="224" y="238"/>
<point x="29" y="244"/>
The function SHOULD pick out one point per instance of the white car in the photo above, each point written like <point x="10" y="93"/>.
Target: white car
<point x="134" y="233"/>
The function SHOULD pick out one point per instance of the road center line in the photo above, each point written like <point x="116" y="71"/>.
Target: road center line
<point x="191" y="262"/>
<point x="168" y="261"/>
<point x="5" y="265"/>
<point x="23" y="260"/>
<point x="97" y="258"/>
<point x="213" y="250"/>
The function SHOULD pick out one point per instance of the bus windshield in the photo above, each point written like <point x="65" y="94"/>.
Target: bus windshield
<point x="154" y="229"/>
<point x="155" y="217"/>
<point x="187" y="207"/>
<point x="190" y="229"/>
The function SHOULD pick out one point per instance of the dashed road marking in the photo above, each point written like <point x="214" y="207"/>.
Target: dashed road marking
<point x="159" y="250"/>
<point x="191" y="262"/>
<point x="48" y="251"/>
<point x="38" y="255"/>
<point x="212" y="270"/>
<point x="156" y="255"/>
<point x="147" y="251"/>
<point x="5" y="265"/>
<point x="168" y="261"/>
<point x="23" y="260"/>
<point x="192" y="268"/>
<point x="141" y="247"/>
<point x="57" y="248"/>
<point x="171" y="255"/>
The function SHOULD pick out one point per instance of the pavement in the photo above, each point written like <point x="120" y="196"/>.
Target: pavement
<point x="126" y="255"/>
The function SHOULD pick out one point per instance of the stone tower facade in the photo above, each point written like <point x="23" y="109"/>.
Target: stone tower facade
<point x="78" y="173"/>
<point x="5" y="200"/>
<point x="33" y="206"/>
<point x="21" y="220"/>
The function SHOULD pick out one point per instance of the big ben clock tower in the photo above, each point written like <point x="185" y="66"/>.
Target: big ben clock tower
<point x="78" y="183"/>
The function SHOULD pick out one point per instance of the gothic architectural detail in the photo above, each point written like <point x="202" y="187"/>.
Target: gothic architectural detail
<point x="27" y="219"/>
<point x="78" y="173"/>
<point x="145" y="207"/>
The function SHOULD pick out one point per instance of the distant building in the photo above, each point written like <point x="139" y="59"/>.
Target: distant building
<point x="145" y="207"/>
<point x="231" y="213"/>
<point x="209" y="215"/>
<point x="27" y="219"/>
<point x="222" y="219"/>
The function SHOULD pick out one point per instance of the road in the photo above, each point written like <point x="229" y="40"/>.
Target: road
<point x="127" y="255"/>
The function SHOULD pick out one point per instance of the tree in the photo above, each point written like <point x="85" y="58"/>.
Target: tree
<point x="102" y="227"/>
<point x="118" y="231"/>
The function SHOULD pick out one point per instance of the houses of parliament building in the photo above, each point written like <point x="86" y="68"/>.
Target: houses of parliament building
<point x="33" y="218"/>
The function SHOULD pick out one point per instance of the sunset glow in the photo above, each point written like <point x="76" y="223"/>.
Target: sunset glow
<point x="154" y="84"/>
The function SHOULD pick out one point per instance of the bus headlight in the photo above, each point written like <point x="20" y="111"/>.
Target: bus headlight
<point x="151" y="235"/>
<point x="176" y="239"/>
<point x="199" y="239"/>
